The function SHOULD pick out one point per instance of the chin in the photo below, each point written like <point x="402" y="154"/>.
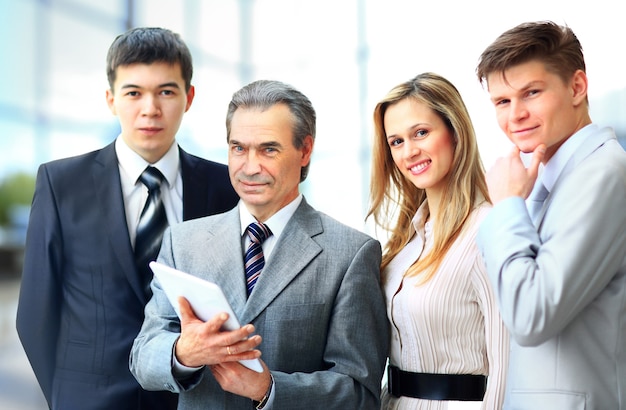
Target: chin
<point x="252" y="197"/>
<point x="526" y="147"/>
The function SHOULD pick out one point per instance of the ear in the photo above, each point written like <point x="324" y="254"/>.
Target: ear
<point x="111" y="101"/>
<point x="307" y="150"/>
<point x="190" y="95"/>
<point x="579" y="87"/>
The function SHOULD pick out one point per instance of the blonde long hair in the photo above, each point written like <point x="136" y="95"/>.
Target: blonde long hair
<point x="392" y="194"/>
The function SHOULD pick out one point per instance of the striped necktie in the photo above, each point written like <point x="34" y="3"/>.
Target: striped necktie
<point x="152" y="223"/>
<point x="254" y="260"/>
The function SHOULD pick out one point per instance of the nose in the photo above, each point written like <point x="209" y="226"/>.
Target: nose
<point x="151" y="106"/>
<point x="517" y="111"/>
<point x="252" y="164"/>
<point x="411" y="148"/>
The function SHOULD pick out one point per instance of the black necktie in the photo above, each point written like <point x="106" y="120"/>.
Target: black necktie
<point x="152" y="223"/>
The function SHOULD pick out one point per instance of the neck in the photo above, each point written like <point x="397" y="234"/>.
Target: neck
<point x="434" y="199"/>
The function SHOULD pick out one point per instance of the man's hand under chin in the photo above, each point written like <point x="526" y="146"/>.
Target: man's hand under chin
<point x="509" y="177"/>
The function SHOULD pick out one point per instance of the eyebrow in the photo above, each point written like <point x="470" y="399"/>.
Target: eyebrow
<point x="268" y="144"/>
<point x="164" y="85"/>
<point x="530" y="85"/>
<point x="411" y="129"/>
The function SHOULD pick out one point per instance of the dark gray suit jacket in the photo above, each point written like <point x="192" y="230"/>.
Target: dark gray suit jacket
<point x="81" y="300"/>
<point x="318" y="306"/>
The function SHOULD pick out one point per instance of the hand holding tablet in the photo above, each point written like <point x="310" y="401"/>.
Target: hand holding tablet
<point x="206" y="299"/>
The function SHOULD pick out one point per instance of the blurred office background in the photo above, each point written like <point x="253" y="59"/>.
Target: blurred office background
<point x="345" y="55"/>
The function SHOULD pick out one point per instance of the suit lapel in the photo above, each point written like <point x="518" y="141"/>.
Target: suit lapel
<point x="293" y="252"/>
<point x="106" y="180"/>
<point x="588" y="147"/>
<point x="224" y="263"/>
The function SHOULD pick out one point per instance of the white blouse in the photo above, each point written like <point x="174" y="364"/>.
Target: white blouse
<point x="451" y="323"/>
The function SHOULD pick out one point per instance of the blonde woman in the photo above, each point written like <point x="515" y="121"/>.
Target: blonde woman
<point x="449" y="347"/>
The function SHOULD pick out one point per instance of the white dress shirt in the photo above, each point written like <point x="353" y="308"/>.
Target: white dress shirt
<point x="276" y="224"/>
<point x="135" y="193"/>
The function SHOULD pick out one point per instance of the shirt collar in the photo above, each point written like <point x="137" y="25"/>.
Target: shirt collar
<point x="134" y="165"/>
<point x="556" y="164"/>
<point x="276" y="222"/>
<point x="420" y="217"/>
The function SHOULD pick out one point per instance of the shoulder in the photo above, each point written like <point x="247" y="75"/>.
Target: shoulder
<point x="475" y="218"/>
<point x="333" y="225"/>
<point x="196" y="162"/>
<point x="610" y="158"/>
<point x="600" y="151"/>
<point x="338" y="235"/>
<point x="480" y="212"/>
<point x="343" y="246"/>
<point x="75" y="166"/>
<point x="206" y="224"/>
<point x="601" y="171"/>
<point x="465" y="248"/>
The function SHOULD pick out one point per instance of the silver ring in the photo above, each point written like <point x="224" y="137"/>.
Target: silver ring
<point x="228" y="350"/>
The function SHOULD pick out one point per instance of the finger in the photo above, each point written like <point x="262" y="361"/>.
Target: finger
<point x="515" y="151"/>
<point x="243" y="346"/>
<point x="538" y="154"/>
<point x="188" y="315"/>
<point x="249" y="343"/>
<point x="217" y="370"/>
<point x="186" y="312"/>
<point x="216" y="323"/>
<point x="236" y="357"/>
<point x="234" y="336"/>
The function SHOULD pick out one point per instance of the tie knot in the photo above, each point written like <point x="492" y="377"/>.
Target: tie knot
<point x="151" y="178"/>
<point x="258" y="232"/>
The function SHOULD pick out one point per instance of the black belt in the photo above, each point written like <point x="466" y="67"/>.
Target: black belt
<point x="431" y="386"/>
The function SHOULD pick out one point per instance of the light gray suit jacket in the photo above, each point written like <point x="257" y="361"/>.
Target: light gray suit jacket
<point x="561" y="286"/>
<point x="318" y="306"/>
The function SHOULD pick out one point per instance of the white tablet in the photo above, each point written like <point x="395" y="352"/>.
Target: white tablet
<point x="206" y="299"/>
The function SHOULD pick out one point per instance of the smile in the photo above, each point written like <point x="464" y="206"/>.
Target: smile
<point x="420" y="167"/>
<point x="523" y="131"/>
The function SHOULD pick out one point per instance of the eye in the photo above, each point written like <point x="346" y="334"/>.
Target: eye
<point x="394" y="142"/>
<point x="530" y="93"/>
<point x="501" y="102"/>
<point x="132" y="93"/>
<point x="236" y="149"/>
<point x="167" y="92"/>
<point x="422" y="133"/>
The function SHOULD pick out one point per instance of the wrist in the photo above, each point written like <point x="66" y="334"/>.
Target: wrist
<point x="261" y="403"/>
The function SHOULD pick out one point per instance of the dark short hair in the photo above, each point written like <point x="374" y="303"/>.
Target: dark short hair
<point x="545" y="41"/>
<point x="147" y="45"/>
<point x="263" y="94"/>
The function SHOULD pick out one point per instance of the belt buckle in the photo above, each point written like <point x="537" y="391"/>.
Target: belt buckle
<point x="393" y="381"/>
